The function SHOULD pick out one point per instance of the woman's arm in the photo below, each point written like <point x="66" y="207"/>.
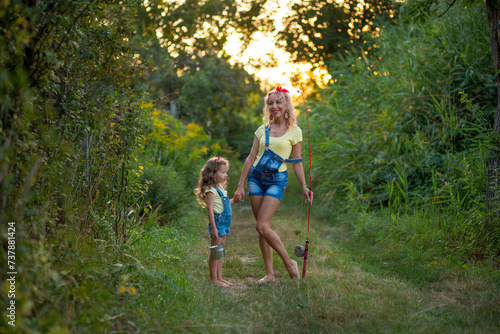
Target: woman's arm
<point x="240" y="192"/>
<point x="298" y="168"/>
<point x="210" y="213"/>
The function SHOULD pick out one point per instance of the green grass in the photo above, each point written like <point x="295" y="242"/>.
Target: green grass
<point x="351" y="285"/>
<point x="159" y="282"/>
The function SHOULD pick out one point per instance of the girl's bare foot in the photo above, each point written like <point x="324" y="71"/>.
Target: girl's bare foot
<point x="224" y="281"/>
<point x="266" y="279"/>
<point x="293" y="270"/>
<point x="221" y="284"/>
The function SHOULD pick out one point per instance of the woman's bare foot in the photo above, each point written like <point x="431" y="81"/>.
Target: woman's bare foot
<point x="228" y="283"/>
<point x="293" y="270"/>
<point x="266" y="279"/>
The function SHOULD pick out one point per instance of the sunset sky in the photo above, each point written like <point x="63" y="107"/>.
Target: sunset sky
<point x="263" y="49"/>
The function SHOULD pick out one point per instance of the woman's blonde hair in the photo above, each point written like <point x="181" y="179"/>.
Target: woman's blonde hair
<point x="286" y="99"/>
<point x="207" y="177"/>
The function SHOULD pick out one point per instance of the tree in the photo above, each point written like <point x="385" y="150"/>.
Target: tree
<point x="222" y="98"/>
<point x="316" y="30"/>
<point x="184" y="44"/>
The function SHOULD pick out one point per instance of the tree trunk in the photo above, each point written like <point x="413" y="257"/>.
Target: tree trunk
<point x="493" y="185"/>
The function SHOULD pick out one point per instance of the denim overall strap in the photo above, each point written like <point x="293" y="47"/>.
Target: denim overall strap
<point x="227" y="204"/>
<point x="286" y="160"/>
<point x="267" y="136"/>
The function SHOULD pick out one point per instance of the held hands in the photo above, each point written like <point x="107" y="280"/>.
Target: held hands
<point x="239" y="195"/>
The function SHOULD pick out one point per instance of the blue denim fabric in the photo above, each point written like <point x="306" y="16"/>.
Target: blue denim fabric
<point x="265" y="179"/>
<point x="223" y="220"/>
<point x="267" y="184"/>
<point x="270" y="162"/>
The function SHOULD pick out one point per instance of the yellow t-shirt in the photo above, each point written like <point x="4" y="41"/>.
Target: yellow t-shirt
<point x="280" y="145"/>
<point x="218" y="203"/>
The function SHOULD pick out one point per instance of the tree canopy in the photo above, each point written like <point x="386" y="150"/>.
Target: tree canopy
<point x="317" y="30"/>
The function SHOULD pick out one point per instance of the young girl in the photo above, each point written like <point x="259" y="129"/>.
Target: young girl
<point x="266" y="170"/>
<point x="211" y="192"/>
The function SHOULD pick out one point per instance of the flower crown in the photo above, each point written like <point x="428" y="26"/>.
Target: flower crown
<point x="281" y="89"/>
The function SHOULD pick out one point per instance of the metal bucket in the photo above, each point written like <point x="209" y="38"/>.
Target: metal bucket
<point x="218" y="252"/>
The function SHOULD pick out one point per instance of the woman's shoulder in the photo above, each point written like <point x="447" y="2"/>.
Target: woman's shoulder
<point x="294" y="134"/>
<point x="294" y="130"/>
<point x="261" y="128"/>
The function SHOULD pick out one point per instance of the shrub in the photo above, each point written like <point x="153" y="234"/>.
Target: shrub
<point x="166" y="189"/>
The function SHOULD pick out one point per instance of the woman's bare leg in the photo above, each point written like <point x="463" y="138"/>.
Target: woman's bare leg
<point x="267" y="251"/>
<point x="270" y="239"/>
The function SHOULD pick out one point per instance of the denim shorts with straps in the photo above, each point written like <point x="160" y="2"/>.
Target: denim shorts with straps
<point x="222" y="220"/>
<point x="264" y="178"/>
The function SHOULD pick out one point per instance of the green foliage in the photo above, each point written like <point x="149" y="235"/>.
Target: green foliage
<point x="166" y="190"/>
<point x="190" y="74"/>
<point x="196" y="28"/>
<point x="69" y="129"/>
<point x="88" y="167"/>
<point x="315" y="31"/>
<point x="185" y="148"/>
<point x="423" y="9"/>
<point x="393" y="128"/>
<point x="221" y="98"/>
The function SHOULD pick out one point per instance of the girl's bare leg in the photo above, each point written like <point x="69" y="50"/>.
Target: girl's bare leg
<point x="215" y="266"/>
<point x="219" y="266"/>
<point x="212" y="267"/>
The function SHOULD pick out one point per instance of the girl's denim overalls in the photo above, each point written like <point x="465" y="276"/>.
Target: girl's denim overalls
<point x="223" y="220"/>
<point x="264" y="178"/>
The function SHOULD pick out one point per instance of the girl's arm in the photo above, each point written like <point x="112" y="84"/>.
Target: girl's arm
<point x="240" y="192"/>
<point x="210" y="212"/>
<point x="298" y="168"/>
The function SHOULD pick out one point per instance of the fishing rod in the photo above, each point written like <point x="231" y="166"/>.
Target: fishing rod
<point x="301" y="250"/>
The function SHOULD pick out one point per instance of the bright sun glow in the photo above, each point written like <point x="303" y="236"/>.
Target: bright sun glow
<point x="262" y="50"/>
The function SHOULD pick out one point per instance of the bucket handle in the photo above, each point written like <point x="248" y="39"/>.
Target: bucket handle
<point x="223" y="243"/>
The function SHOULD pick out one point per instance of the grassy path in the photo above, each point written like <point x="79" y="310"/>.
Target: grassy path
<point x="349" y="288"/>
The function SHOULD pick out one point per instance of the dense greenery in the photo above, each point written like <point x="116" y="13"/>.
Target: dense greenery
<point x="410" y="125"/>
<point x="81" y="143"/>
<point x="108" y="111"/>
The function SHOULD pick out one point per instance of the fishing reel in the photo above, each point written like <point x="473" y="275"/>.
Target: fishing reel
<point x="300" y="251"/>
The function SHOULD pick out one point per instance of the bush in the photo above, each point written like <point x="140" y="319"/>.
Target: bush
<point x="166" y="189"/>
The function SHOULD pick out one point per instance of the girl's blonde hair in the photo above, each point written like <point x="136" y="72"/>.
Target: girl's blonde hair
<point x="207" y="177"/>
<point x="285" y="98"/>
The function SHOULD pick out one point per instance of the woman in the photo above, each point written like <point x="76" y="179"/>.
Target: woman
<point x="266" y="170"/>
